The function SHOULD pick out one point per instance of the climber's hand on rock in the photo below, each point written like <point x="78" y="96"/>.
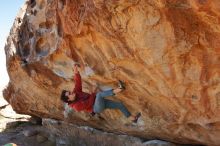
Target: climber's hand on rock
<point x="75" y="68"/>
<point x="77" y="64"/>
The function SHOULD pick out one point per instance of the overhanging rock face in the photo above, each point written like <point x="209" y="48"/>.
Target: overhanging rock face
<point x="167" y="52"/>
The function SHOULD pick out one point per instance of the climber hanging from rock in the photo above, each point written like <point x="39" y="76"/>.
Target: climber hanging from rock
<point x="95" y="102"/>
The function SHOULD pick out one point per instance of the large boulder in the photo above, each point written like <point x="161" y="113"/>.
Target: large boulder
<point x="167" y="52"/>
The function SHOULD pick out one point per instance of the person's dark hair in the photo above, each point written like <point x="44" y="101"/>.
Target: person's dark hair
<point x="63" y="96"/>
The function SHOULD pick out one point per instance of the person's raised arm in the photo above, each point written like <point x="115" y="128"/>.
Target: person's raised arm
<point x="77" y="79"/>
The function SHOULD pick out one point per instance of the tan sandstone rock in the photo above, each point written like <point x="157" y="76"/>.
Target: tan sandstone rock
<point x="167" y="52"/>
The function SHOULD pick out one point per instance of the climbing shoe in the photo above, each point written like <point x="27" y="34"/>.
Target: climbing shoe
<point x="121" y="84"/>
<point x="92" y="114"/>
<point x="136" y="118"/>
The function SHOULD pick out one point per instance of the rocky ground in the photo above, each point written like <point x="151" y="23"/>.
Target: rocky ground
<point x="20" y="130"/>
<point x="16" y="135"/>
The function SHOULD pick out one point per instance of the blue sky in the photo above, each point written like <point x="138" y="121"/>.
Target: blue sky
<point x="8" y="12"/>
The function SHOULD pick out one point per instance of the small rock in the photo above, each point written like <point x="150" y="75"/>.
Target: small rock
<point x="158" y="143"/>
<point x="41" y="138"/>
<point x="62" y="141"/>
<point x="36" y="120"/>
<point x="29" y="133"/>
<point x="49" y="143"/>
<point x="52" y="138"/>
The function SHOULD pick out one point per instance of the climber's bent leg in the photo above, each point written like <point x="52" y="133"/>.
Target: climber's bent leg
<point x="99" y="104"/>
<point x="117" y="105"/>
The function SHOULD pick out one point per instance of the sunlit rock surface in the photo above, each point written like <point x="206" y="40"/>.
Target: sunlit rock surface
<point x="167" y="52"/>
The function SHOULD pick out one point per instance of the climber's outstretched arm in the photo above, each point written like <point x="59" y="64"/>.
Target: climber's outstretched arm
<point x="77" y="79"/>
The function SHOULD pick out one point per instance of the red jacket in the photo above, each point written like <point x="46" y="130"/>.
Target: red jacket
<point x="84" y="101"/>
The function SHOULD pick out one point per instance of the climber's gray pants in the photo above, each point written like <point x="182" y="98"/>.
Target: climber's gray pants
<point x="101" y="103"/>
